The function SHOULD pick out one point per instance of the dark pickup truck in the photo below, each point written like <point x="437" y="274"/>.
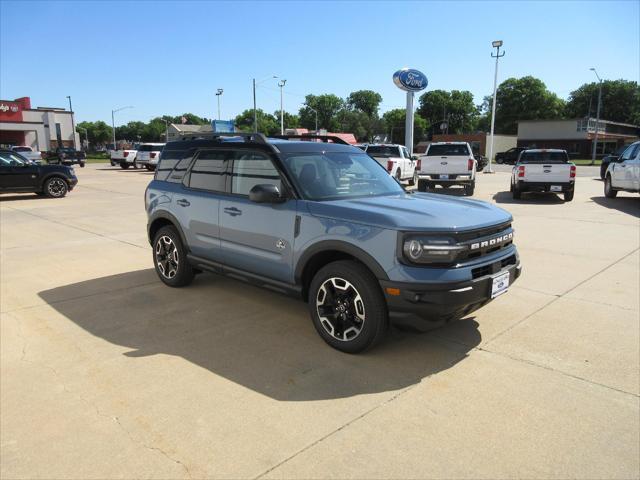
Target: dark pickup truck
<point x="510" y="156"/>
<point x="66" y="156"/>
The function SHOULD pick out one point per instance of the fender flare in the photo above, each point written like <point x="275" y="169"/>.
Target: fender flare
<point x="47" y="176"/>
<point x="164" y="215"/>
<point x="340" y="246"/>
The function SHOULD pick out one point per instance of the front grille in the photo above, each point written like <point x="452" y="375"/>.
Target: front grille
<point x="493" y="268"/>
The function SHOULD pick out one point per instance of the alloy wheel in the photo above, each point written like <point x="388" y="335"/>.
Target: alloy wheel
<point x="57" y="187"/>
<point x="167" y="257"/>
<point x="340" y="309"/>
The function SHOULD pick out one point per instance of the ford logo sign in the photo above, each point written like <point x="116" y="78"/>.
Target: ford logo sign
<point x="410" y="80"/>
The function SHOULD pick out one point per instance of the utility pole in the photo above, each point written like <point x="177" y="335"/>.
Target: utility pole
<point x="73" y="124"/>
<point x="219" y="94"/>
<point x="497" y="44"/>
<point x="113" y="123"/>
<point x="281" y="85"/>
<point x="595" y="139"/>
<point x="255" y="111"/>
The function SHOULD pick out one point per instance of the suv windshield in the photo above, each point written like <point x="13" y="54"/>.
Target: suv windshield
<point x="337" y="175"/>
<point x="451" y="149"/>
<point x="379" y="151"/>
<point x="544" y="157"/>
<point x="150" y="148"/>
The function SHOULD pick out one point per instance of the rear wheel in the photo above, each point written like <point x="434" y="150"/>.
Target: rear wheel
<point x="603" y="170"/>
<point x="124" y="165"/>
<point x="469" y="189"/>
<point x="609" y="191"/>
<point x="56" y="187"/>
<point x="568" y="196"/>
<point x="347" y="306"/>
<point x="398" y="175"/>
<point x="413" y="180"/>
<point x="422" y="185"/>
<point x="170" y="258"/>
<point x="517" y="194"/>
<point x="499" y="160"/>
<point x="81" y="164"/>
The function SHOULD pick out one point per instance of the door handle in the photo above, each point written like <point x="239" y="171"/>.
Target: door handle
<point x="183" y="202"/>
<point x="233" y="211"/>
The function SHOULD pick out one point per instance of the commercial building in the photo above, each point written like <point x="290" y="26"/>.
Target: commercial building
<point x="42" y="128"/>
<point x="577" y="135"/>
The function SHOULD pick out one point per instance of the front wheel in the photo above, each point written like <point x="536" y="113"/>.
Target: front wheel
<point x="81" y="164"/>
<point x="347" y="306"/>
<point x="398" y="175"/>
<point x="499" y="161"/>
<point x="170" y="258"/>
<point x="609" y="191"/>
<point x="55" y="187"/>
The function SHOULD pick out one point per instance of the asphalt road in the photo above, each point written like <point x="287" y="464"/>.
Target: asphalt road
<point x="107" y="373"/>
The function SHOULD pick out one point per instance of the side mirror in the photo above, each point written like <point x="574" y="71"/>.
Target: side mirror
<point x="266" y="193"/>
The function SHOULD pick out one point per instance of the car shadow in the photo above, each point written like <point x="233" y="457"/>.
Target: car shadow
<point x="529" y="198"/>
<point x="256" y="338"/>
<point x="627" y="205"/>
<point x="20" y="196"/>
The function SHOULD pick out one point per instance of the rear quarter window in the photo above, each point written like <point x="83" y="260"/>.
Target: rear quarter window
<point x="173" y="164"/>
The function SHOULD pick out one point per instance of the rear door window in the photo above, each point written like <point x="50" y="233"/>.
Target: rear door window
<point x="448" y="150"/>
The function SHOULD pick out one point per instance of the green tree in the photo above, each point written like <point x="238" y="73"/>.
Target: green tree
<point x="267" y="124"/>
<point x="366" y="101"/>
<point x="98" y="132"/>
<point x="620" y="101"/>
<point x="290" y="120"/>
<point x="456" y="107"/>
<point x="355" y="122"/>
<point x="525" y="98"/>
<point x="327" y="106"/>
<point x="394" y="121"/>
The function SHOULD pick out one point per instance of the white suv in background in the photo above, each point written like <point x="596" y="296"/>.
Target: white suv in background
<point x="447" y="164"/>
<point x="148" y="155"/>
<point x="395" y="158"/>
<point x="624" y="174"/>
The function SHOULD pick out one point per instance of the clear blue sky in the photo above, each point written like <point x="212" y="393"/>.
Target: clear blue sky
<point x="169" y="57"/>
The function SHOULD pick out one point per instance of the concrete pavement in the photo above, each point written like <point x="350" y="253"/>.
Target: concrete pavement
<point x="106" y="373"/>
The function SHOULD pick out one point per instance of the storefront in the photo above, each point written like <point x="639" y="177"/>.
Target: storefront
<point x="41" y="128"/>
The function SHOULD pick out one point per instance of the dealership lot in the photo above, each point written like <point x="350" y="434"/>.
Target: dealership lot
<point x="108" y="373"/>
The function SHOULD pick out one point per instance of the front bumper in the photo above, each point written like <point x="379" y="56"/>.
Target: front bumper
<point x="72" y="182"/>
<point x="419" y="304"/>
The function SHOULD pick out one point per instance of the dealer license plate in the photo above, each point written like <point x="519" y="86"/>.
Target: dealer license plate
<point x="444" y="177"/>
<point x="500" y="284"/>
<point x="556" y="188"/>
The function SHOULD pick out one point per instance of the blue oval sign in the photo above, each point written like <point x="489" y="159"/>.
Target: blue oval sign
<point x="410" y="80"/>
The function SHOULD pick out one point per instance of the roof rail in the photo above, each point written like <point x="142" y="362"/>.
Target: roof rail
<point x="309" y="136"/>
<point x="247" y="137"/>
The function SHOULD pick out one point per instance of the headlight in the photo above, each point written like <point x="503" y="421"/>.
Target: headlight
<point x="422" y="249"/>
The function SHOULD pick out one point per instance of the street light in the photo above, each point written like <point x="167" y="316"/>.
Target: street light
<point x="281" y="85"/>
<point x="113" y="123"/>
<point x="495" y="44"/>
<point x="595" y="139"/>
<point x="73" y="125"/>
<point x="166" y="129"/>
<point x="314" y="111"/>
<point x="219" y="94"/>
<point x="255" y="114"/>
<point x="86" y="136"/>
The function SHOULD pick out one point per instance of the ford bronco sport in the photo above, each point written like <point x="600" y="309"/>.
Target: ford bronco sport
<point x="322" y="220"/>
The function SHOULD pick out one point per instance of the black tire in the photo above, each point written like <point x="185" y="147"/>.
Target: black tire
<point x="568" y="196"/>
<point x="422" y="185"/>
<point x="55" y="187"/>
<point x="609" y="191"/>
<point x="81" y="164"/>
<point x="499" y="161"/>
<point x="124" y="165"/>
<point x="170" y="258"/>
<point x="356" y="293"/>
<point x="413" y="180"/>
<point x="603" y="170"/>
<point x="469" y="189"/>
<point x="517" y="194"/>
<point x="398" y="175"/>
<point x="148" y="167"/>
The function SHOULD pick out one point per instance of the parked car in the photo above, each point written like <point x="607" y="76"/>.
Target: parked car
<point x="28" y="152"/>
<point x="124" y="158"/>
<point x="326" y="223"/>
<point x="510" y="156"/>
<point x="543" y="171"/>
<point x="396" y="160"/>
<point x="607" y="159"/>
<point x="148" y="155"/>
<point x="624" y="174"/>
<point x="17" y="176"/>
<point x="447" y="164"/>
<point x="67" y="156"/>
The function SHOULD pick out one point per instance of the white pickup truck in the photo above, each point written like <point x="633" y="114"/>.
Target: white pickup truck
<point x="124" y="158"/>
<point x="624" y="173"/>
<point x="447" y="164"/>
<point x="539" y="170"/>
<point x="29" y="153"/>
<point x="148" y="155"/>
<point x="395" y="158"/>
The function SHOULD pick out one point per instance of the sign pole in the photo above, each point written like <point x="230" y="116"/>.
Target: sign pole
<point x="408" y="135"/>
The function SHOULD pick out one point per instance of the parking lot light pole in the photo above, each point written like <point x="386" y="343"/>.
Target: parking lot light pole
<point x="595" y="138"/>
<point x="219" y="94"/>
<point x="113" y="123"/>
<point x="255" y="111"/>
<point x="73" y="124"/>
<point x="314" y="111"/>
<point x="497" y="44"/>
<point x="166" y="130"/>
<point x="281" y="85"/>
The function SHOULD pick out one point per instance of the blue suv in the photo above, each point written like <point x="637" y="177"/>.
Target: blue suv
<point x="320" y="219"/>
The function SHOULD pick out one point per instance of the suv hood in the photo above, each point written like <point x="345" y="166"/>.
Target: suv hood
<point x="414" y="212"/>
